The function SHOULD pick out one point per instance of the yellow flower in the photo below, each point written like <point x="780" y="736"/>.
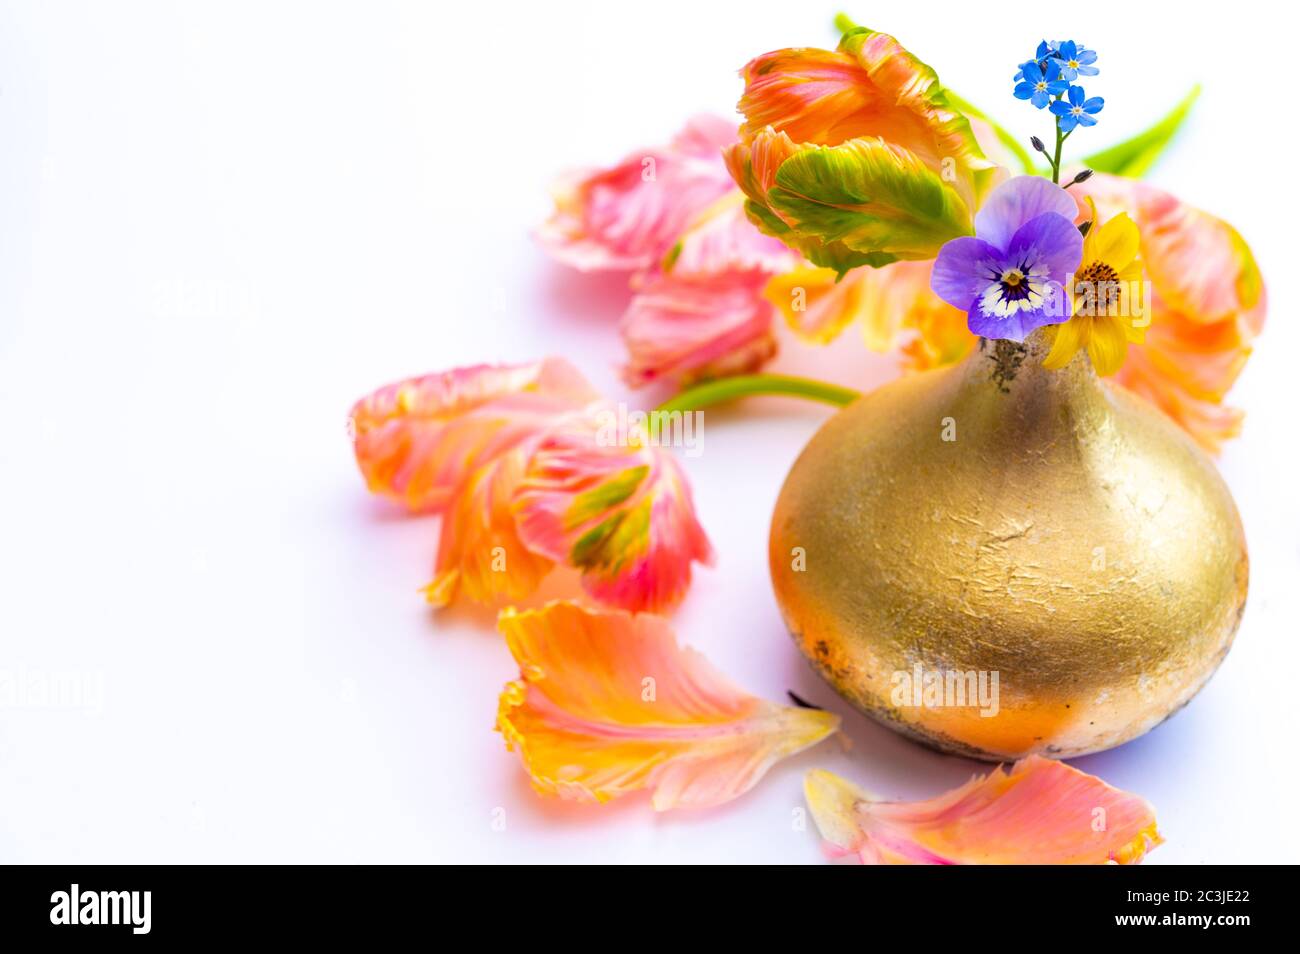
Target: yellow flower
<point x="1110" y="309"/>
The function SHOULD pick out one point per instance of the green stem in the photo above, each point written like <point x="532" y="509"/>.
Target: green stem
<point x="844" y="23"/>
<point x="747" y="385"/>
<point x="1060" y="141"/>
<point x="1056" y="160"/>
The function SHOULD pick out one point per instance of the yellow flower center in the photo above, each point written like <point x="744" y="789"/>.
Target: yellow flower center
<point x="1012" y="277"/>
<point x="1097" y="288"/>
<point x="1098" y="272"/>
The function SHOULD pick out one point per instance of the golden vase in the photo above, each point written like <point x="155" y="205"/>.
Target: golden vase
<point x="999" y="560"/>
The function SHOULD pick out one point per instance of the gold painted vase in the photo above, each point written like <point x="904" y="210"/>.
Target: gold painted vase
<point x="999" y="560"/>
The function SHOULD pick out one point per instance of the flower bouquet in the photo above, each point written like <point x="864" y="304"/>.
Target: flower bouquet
<point x="1017" y="551"/>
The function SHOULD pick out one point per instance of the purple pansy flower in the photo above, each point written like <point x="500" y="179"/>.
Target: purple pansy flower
<point x="1009" y="277"/>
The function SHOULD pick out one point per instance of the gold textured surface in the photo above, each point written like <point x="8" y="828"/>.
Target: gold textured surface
<point x="1071" y="539"/>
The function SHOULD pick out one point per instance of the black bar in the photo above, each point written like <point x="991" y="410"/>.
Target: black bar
<point x="332" y="904"/>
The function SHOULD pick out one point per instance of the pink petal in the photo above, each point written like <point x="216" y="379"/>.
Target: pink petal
<point x="418" y="439"/>
<point x="703" y="314"/>
<point x="1041" y="812"/>
<point x="1208" y="303"/>
<point x="617" y="509"/>
<point x="629" y="216"/>
<point x="1199" y="264"/>
<point x="688" y="329"/>
<point x="723" y="240"/>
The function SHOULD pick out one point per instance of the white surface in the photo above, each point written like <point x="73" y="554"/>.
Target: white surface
<point x="221" y="223"/>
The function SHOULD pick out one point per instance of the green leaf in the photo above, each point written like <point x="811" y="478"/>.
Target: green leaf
<point x="1135" y="156"/>
<point x="873" y="198"/>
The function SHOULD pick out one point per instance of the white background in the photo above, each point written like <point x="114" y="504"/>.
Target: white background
<point x="221" y="223"/>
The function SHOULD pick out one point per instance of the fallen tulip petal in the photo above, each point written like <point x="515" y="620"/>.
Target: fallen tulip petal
<point x="608" y="704"/>
<point x="1041" y="812"/>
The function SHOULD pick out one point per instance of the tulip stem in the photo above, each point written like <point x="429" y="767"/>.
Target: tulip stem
<point x="747" y="385"/>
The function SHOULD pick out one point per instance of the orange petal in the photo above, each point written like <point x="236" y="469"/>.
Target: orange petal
<point x="608" y="703"/>
<point x="934" y="335"/>
<point x="417" y="440"/>
<point x="479" y="550"/>
<point x="811" y="95"/>
<point x="1186" y="368"/>
<point x="855" y="157"/>
<point x="753" y="163"/>
<point x="519" y="460"/>
<point x="817" y="307"/>
<point x="1041" y="812"/>
<point x="870" y="87"/>
<point x="1202" y="359"/>
<point x="1151" y="375"/>
<point x="929" y="332"/>
<point x="893" y="303"/>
